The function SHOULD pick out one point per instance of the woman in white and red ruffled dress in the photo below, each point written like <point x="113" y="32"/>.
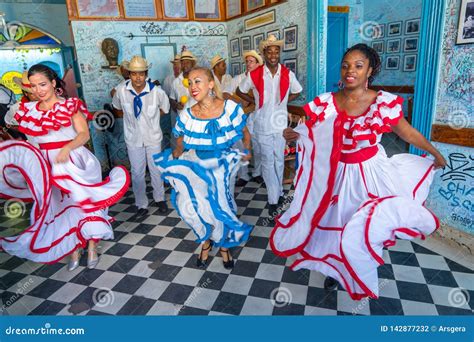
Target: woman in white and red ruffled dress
<point x="350" y="200"/>
<point x="62" y="178"/>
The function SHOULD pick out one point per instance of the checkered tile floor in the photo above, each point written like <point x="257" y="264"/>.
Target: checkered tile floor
<point x="149" y="269"/>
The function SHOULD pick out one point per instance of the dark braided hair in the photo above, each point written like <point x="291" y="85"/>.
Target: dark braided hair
<point x="51" y="75"/>
<point x="371" y="55"/>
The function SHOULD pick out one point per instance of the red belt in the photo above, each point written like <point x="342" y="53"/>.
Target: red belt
<point x="359" y="156"/>
<point x="54" y="145"/>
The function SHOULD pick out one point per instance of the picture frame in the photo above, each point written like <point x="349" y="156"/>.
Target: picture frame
<point x="235" y="47"/>
<point x="392" y="62"/>
<point x="110" y="9"/>
<point x="393" y="45"/>
<point x="233" y="8"/>
<point x="207" y="9"/>
<point x="409" y="63"/>
<point x="292" y="64"/>
<point x="378" y="46"/>
<point x="251" y="5"/>
<point x="378" y="31"/>
<point x="257" y="39"/>
<point x="394" y="29"/>
<point x="259" y="20"/>
<point x="290" y="38"/>
<point x="410" y="45"/>
<point x="412" y="26"/>
<point x="175" y="9"/>
<point x="236" y="69"/>
<point x="139" y="9"/>
<point x="246" y="44"/>
<point x="465" y="23"/>
<point x="276" y="33"/>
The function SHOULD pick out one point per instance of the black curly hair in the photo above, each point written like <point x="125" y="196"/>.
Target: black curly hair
<point x="372" y="55"/>
<point x="51" y="75"/>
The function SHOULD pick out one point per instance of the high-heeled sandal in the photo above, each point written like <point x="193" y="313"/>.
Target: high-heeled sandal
<point x="200" y="262"/>
<point x="92" y="262"/>
<point x="73" y="264"/>
<point x="229" y="264"/>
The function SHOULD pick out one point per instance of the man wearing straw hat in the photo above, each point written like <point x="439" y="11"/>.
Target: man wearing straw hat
<point x="273" y="87"/>
<point x="252" y="61"/>
<point x="223" y="80"/>
<point x="179" y="97"/>
<point x="168" y="122"/>
<point x="142" y="103"/>
<point x="8" y="107"/>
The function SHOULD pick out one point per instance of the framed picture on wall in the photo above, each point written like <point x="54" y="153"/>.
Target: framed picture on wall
<point x="378" y="31"/>
<point x="394" y="29"/>
<point x="246" y="44"/>
<point x="292" y="64"/>
<point x="392" y="62"/>
<point x="259" y="20"/>
<point x="250" y="5"/>
<point x="393" y="45"/>
<point x="107" y="8"/>
<point x="290" y="38"/>
<point x="175" y="9"/>
<point x="235" y="47"/>
<point x="409" y="63"/>
<point x="412" y="26"/>
<point x="233" y="8"/>
<point x="378" y="46"/>
<point x="466" y="23"/>
<point x="276" y="33"/>
<point x="206" y="9"/>
<point x="235" y="69"/>
<point x="410" y="45"/>
<point x="257" y="39"/>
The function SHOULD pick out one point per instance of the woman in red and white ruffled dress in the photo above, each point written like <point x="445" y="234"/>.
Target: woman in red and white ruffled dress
<point x="62" y="178"/>
<point x="350" y="200"/>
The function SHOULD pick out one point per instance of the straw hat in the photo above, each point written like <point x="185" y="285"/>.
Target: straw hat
<point x="23" y="82"/>
<point x="254" y="54"/>
<point x="137" y="64"/>
<point x="177" y="58"/>
<point x="216" y="60"/>
<point x="271" y="41"/>
<point x="187" y="55"/>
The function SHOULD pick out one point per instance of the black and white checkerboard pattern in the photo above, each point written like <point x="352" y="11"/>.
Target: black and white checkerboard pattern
<point x="150" y="269"/>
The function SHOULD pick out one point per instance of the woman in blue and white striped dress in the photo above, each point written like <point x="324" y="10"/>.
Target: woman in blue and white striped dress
<point x="202" y="167"/>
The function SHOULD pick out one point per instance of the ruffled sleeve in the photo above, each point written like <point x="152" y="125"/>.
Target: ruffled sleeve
<point x="180" y="126"/>
<point x="316" y="109"/>
<point x="238" y="118"/>
<point x="35" y="122"/>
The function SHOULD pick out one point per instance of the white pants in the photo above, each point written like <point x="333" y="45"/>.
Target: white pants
<point x="244" y="169"/>
<point x="140" y="157"/>
<point x="256" y="150"/>
<point x="273" y="163"/>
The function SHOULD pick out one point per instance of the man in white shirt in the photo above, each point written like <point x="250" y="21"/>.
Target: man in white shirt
<point x="252" y="61"/>
<point x="168" y="122"/>
<point x="180" y="97"/>
<point x="273" y="87"/>
<point x="224" y="80"/>
<point x="142" y="104"/>
<point x="168" y="82"/>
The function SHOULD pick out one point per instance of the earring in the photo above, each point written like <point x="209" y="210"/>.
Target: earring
<point x="211" y="93"/>
<point x="58" y="91"/>
<point x="366" y="85"/>
<point x="340" y="84"/>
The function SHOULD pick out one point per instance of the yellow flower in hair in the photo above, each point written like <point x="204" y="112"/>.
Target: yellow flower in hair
<point x="186" y="82"/>
<point x="183" y="99"/>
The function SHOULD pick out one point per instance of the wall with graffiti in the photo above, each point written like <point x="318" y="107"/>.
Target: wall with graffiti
<point x="452" y="194"/>
<point x="455" y="95"/>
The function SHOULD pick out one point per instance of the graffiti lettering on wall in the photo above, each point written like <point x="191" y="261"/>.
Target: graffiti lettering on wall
<point x="458" y="187"/>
